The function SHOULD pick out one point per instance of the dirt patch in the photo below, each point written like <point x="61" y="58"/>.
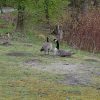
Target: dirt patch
<point x="78" y="73"/>
<point x="18" y="54"/>
<point x="75" y="79"/>
<point x="32" y="62"/>
<point x="73" y="74"/>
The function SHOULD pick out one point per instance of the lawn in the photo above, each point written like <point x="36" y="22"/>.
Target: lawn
<point x="27" y="74"/>
<point x="22" y="82"/>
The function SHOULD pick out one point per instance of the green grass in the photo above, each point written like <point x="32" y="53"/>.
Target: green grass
<point x="18" y="82"/>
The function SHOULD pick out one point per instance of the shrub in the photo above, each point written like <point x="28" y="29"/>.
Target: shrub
<point x="86" y="33"/>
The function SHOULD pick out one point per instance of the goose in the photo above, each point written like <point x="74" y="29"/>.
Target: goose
<point x="46" y="47"/>
<point x="61" y="53"/>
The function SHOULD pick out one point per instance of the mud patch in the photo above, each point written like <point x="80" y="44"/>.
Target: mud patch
<point x="72" y="74"/>
<point x="19" y="54"/>
<point x="32" y="62"/>
<point x="75" y="80"/>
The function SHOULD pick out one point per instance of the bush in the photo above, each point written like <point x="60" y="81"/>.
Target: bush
<point x="86" y="34"/>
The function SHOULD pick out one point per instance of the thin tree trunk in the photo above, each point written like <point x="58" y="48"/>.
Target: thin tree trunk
<point x="20" y="18"/>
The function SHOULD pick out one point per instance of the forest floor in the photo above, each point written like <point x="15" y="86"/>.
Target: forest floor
<point x="28" y="74"/>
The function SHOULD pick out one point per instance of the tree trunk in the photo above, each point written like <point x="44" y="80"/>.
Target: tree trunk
<point x="20" y="18"/>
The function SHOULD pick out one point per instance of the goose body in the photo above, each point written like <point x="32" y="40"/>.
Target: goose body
<point x="59" y="52"/>
<point x="63" y="53"/>
<point x="46" y="47"/>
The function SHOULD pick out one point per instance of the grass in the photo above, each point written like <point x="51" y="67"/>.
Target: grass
<point x="19" y="82"/>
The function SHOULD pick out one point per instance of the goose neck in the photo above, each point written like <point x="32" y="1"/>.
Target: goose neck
<point x="57" y="46"/>
<point x="47" y="39"/>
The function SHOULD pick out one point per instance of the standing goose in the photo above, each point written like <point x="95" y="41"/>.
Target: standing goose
<point x="46" y="47"/>
<point x="61" y="53"/>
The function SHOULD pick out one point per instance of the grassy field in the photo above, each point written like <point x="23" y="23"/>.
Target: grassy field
<point x="21" y="81"/>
